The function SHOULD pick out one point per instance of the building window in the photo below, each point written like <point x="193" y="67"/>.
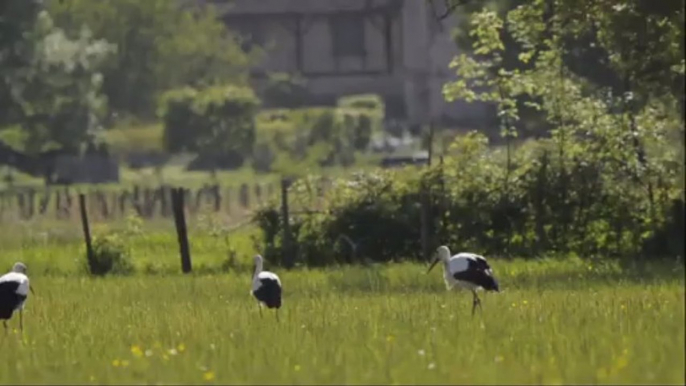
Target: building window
<point x="347" y="34"/>
<point x="250" y="32"/>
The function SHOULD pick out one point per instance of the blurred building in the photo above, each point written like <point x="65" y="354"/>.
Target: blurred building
<point x="394" y="48"/>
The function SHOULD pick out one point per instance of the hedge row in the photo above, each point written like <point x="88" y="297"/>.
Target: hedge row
<point x="542" y="206"/>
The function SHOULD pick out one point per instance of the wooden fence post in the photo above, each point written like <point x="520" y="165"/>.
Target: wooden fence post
<point x="425" y="221"/>
<point x="181" y="230"/>
<point x="217" y="195"/>
<point x="289" y="258"/>
<point x="86" y="228"/>
<point x="430" y="146"/>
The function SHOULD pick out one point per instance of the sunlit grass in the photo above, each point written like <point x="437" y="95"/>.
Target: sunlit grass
<point x="556" y="322"/>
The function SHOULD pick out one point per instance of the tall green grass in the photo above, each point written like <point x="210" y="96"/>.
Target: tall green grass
<point x="557" y="322"/>
<point x="564" y="321"/>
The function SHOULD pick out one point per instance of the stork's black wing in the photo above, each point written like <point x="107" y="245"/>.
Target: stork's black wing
<point x="478" y="273"/>
<point x="9" y="299"/>
<point x="269" y="293"/>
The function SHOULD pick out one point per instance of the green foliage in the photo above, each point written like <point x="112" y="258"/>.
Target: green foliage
<point x="293" y="142"/>
<point x="370" y="102"/>
<point x="367" y="113"/>
<point x="58" y="94"/>
<point x="110" y="256"/>
<point x="161" y="46"/>
<point x="16" y="18"/>
<point x="583" y="206"/>
<point x="284" y="90"/>
<point x="215" y="121"/>
<point x="124" y="139"/>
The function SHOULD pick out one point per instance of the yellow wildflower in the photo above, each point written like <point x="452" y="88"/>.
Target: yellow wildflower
<point x="208" y="376"/>
<point x="115" y="363"/>
<point x="136" y="351"/>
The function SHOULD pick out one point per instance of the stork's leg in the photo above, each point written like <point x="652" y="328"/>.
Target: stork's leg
<point x="4" y="323"/>
<point x="259" y="306"/>
<point x="21" y="320"/>
<point x="476" y="302"/>
<point x="277" y="314"/>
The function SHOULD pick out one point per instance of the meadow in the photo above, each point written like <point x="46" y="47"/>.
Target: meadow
<point x="557" y="321"/>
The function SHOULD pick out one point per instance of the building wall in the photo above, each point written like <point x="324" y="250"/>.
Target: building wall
<point x="415" y="72"/>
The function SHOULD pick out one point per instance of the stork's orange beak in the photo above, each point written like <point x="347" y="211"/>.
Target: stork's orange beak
<point x="432" y="265"/>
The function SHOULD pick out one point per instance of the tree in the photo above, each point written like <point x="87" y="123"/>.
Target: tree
<point x="16" y="17"/>
<point x="160" y="46"/>
<point x="217" y="122"/>
<point x="57" y="94"/>
<point x="620" y="126"/>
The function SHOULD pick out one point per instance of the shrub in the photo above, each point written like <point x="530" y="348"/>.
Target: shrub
<point x="285" y="90"/>
<point x="368" y="111"/>
<point x="110" y="256"/>
<point x="301" y="138"/>
<point x="581" y="206"/>
<point x="179" y="119"/>
<point x="217" y="121"/>
<point x="136" y="139"/>
<point x="363" y="101"/>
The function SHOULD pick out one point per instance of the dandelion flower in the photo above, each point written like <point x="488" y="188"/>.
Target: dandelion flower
<point x="208" y="376"/>
<point x="181" y="347"/>
<point x="115" y="363"/>
<point x="136" y="351"/>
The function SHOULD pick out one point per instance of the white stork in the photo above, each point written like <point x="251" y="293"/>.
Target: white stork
<point x="467" y="270"/>
<point x="14" y="289"/>
<point x="266" y="287"/>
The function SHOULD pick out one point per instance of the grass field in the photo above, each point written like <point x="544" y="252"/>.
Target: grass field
<point x="557" y="321"/>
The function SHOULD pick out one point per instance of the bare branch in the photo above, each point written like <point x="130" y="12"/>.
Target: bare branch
<point x="449" y="6"/>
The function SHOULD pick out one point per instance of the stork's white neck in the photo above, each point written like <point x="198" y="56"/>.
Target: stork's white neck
<point x="258" y="266"/>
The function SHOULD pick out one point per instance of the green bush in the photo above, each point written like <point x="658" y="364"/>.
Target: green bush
<point x="581" y="206"/>
<point x="215" y="121"/>
<point x="368" y="112"/>
<point x="110" y="256"/>
<point x="124" y="140"/>
<point x="371" y="102"/>
<point x="179" y="119"/>
<point x="285" y="90"/>
<point x="298" y="138"/>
